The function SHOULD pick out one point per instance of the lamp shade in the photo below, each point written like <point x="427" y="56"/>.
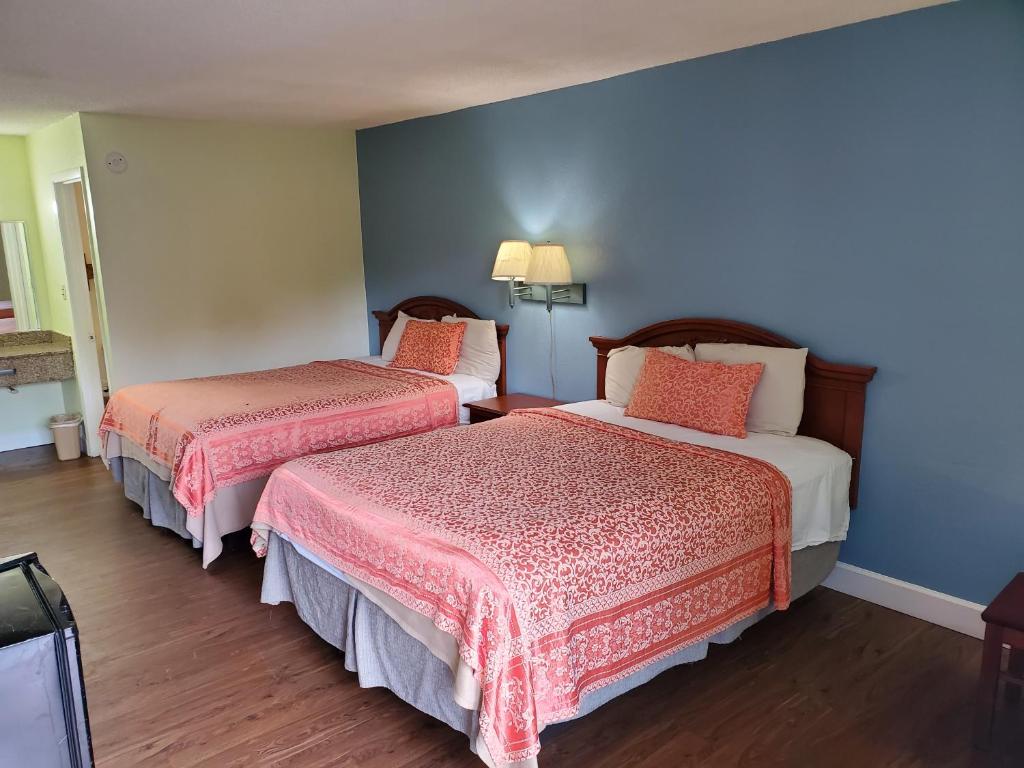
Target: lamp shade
<point x="512" y="261"/>
<point x="549" y="265"/>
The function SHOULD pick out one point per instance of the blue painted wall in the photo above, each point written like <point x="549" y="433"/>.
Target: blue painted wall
<point x="860" y="190"/>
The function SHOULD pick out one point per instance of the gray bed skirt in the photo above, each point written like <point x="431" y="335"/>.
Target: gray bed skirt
<point x="146" y="489"/>
<point x="383" y="654"/>
<point x="230" y="510"/>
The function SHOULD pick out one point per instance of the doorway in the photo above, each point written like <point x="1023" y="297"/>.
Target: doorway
<point x="90" y="275"/>
<point x="85" y="295"/>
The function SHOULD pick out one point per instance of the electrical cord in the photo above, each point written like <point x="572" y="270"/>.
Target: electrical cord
<point x="551" y="351"/>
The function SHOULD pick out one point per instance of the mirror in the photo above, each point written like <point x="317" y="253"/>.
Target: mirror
<point x="18" y="310"/>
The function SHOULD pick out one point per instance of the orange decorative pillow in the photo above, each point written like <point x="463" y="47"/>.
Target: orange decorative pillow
<point x="430" y="347"/>
<point x="711" y="397"/>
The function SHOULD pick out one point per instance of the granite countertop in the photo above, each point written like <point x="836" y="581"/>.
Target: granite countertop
<point x="33" y="344"/>
<point x="31" y="357"/>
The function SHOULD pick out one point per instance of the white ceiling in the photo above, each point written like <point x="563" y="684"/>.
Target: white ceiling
<point x="359" y="62"/>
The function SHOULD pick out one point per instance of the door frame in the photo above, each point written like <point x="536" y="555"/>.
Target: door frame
<point x="83" y="341"/>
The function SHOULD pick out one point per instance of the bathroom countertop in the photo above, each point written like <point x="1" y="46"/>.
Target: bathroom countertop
<point x="33" y="344"/>
<point x="30" y="357"/>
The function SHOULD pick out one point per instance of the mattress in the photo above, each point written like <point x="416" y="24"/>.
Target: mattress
<point x="818" y="471"/>
<point x="470" y="388"/>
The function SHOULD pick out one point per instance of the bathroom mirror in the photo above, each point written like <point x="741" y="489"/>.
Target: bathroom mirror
<point x="18" y="310"/>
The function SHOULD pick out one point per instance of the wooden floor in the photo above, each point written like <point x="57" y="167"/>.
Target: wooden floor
<point x="184" y="667"/>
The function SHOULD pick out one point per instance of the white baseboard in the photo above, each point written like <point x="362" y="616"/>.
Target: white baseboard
<point x="911" y="599"/>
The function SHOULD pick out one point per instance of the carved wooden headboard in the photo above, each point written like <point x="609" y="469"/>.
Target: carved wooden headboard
<point x="434" y="308"/>
<point x="833" y="396"/>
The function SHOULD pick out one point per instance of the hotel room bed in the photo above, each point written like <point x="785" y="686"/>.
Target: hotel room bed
<point x="196" y="454"/>
<point x="655" y="548"/>
<point x="147" y="482"/>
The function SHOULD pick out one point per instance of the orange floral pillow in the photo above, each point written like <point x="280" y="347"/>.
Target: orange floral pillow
<point x="711" y="397"/>
<point x="430" y="347"/>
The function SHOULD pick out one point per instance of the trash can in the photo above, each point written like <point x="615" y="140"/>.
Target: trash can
<point x="66" y="435"/>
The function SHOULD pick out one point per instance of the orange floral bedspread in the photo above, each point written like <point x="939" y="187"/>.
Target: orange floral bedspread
<point x="562" y="553"/>
<point x="219" y="431"/>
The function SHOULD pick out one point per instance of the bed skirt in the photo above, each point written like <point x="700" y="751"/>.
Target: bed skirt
<point x="383" y="654"/>
<point x="230" y="511"/>
<point x="151" y="493"/>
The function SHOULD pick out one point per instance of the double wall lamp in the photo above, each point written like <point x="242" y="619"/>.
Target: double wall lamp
<point x="546" y="267"/>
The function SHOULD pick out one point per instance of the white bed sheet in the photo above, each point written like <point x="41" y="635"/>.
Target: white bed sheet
<point x="470" y="388"/>
<point x="818" y="471"/>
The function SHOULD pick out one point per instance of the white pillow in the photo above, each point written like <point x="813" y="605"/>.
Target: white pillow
<point x="778" y="402"/>
<point x="624" y="364"/>
<point x="387" y="352"/>
<point x="479" y="355"/>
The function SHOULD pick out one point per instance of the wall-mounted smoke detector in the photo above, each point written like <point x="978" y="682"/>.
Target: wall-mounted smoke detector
<point x="116" y="162"/>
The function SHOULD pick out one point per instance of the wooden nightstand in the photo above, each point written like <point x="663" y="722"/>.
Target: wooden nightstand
<point x="496" y="407"/>
<point x="1004" y="623"/>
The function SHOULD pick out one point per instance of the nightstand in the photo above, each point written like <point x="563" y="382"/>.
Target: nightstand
<point x="1004" y="624"/>
<point x="496" y="407"/>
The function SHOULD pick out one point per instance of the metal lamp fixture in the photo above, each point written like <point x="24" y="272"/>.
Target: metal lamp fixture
<point x="550" y="267"/>
<point x="545" y="266"/>
<point x="511" y="265"/>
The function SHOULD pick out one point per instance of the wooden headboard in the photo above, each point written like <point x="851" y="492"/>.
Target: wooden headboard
<point x="434" y="308"/>
<point x="833" y="397"/>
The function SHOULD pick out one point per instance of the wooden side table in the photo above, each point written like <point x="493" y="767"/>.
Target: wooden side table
<point x="496" y="407"/>
<point x="1004" y="624"/>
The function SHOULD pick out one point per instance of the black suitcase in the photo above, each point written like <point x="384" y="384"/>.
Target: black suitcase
<point x="43" y="719"/>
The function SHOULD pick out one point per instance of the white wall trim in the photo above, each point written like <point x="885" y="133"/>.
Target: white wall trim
<point x="67" y="177"/>
<point x="83" y="340"/>
<point x="920" y="602"/>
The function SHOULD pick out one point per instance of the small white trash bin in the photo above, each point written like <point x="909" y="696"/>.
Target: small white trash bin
<point x="65" y="428"/>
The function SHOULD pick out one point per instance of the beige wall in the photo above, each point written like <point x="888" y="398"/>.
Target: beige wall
<point x="225" y="246"/>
